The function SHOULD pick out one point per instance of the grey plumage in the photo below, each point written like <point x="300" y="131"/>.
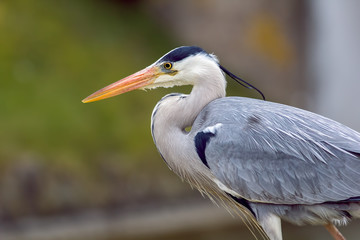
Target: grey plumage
<point x="280" y="154"/>
<point x="284" y="161"/>
<point x="265" y="159"/>
<point x="296" y="164"/>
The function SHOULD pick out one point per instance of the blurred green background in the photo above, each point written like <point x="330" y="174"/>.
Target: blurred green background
<point x="55" y="151"/>
<point x="60" y="158"/>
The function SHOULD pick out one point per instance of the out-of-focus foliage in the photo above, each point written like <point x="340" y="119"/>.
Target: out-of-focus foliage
<point x="57" y="153"/>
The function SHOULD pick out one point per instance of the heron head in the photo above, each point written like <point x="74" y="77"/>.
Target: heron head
<point x="181" y="66"/>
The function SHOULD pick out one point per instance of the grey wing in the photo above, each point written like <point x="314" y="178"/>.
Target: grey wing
<point x="268" y="152"/>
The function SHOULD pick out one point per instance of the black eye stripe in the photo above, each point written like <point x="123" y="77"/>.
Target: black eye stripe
<point x="180" y="53"/>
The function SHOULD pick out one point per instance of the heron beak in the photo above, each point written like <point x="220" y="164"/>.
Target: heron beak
<point x="137" y="80"/>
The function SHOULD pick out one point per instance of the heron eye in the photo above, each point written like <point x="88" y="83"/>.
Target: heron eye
<point x="167" y="65"/>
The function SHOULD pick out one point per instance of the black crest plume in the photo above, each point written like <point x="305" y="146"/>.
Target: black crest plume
<point x="241" y="81"/>
<point x="180" y="53"/>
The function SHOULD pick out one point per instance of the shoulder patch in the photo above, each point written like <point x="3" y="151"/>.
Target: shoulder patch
<point x="201" y="140"/>
<point x="212" y="129"/>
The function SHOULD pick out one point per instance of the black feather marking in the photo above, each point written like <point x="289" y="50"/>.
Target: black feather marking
<point x="347" y="214"/>
<point x="243" y="202"/>
<point x="201" y="141"/>
<point x="254" y="119"/>
<point x="356" y="154"/>
<point x="180" y="53"/>
<point x="352" y="199"/>
<point x="349" y="200"/>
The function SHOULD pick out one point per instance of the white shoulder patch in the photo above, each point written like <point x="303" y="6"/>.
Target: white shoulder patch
<point x="212" y="129"/>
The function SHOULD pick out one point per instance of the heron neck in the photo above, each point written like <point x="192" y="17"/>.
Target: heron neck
<point x="170" y="118"/>
<point x="199" y="97"/>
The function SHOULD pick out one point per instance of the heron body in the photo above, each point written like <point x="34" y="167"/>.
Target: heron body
<point x="268" y="160"/>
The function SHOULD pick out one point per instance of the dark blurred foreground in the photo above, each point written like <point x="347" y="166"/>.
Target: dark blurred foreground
<point x="191" y="219"/>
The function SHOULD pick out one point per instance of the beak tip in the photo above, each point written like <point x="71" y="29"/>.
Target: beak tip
<point x="132" y="82"/>
<point x="85" y="100"/>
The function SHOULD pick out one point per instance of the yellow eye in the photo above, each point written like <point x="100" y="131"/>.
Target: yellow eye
<point x="167" y="65"/>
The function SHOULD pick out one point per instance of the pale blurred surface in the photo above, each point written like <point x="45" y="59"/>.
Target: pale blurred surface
<point x="91" y="171"/>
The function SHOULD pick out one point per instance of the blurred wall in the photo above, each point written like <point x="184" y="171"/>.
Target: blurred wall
<point x="261" y="41"/>
<point x="334" y="60"/>
<point x="303" y="53"/>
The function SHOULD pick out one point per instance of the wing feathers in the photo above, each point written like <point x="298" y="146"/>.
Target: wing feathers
<point x="274" y="153"/>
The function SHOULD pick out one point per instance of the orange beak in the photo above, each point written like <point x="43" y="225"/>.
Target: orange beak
<point x="137" y="80"/>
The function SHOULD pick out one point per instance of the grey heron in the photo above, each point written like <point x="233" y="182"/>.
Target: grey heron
<point x="268" y="160"/>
